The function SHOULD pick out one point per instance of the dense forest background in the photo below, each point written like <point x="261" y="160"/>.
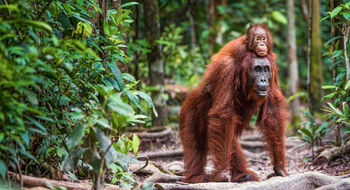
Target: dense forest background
<point x="77" y="76"/>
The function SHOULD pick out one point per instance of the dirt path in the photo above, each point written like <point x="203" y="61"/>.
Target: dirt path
<point x="258" y="159"/>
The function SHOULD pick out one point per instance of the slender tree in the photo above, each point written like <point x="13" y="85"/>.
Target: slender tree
<point x="155" y="62"/>
<point x="212" y="26"/>
<point x="315" y="70"/>
<point x="293" y="63"/>
<point x="193" y="34"/>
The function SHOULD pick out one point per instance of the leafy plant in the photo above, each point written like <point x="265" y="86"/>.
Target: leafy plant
<point x="338" y="110"/>
<point x="180" y="62"/>
<point x="62" y="95"/>
<point x="311" y="132"/>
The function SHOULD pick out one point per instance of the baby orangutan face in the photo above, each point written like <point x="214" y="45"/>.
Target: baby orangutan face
<point x="258" y="41"/>
<point x="259" y="77"/>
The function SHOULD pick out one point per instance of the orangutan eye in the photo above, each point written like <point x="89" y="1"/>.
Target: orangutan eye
<point x="257" y="68"/>
<point x="267" y="69"/>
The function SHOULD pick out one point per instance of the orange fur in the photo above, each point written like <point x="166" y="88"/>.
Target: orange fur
<point x="214" y="114"/>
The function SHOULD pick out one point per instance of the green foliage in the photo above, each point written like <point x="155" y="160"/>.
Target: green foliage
<point x="311" y="132"/>
<point x="181" y="63"/>
<point x="337" y="100"/>
<point x="279" y="17"/>
<point x="337" y="110"/>
<point x="61" y="86"/>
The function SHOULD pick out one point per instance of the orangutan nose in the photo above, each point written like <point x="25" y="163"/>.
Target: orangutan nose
<point x="263" y="84"/>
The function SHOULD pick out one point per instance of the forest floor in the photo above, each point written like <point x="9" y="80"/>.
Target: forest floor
<point x="162" y="166"/>
<point x="165" y="152"/>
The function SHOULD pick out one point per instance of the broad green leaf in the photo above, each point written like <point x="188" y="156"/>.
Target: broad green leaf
<point x="306" y="132"/>
<point x="336" y="11"/>
<point x="332" y="39"/>
<point x="64" y="100"/>
<point x="143" y="43"/>
<point x="117" y="105"/>
<point x="135" y="144"/>
<point x="117" y="74"/>
<point x="36" y="123"/>
<point x="310" y="116"/>
<point x="148" y="100"/>
<point x="129" y="4"/>
<point x="336" y="110"/>
<point x="25" y="137"/>
<point x="296" y="95"/>
<point x="279" y="17"/>
<point x="128" y="77"/>
<point x="3" y="169"/>
<point x="10" y="7"/>
<point x="111" y="82"/>
<point x="76" y="136"/>
<point x="71" y="161"/>
<point x="104" y="123"/>
<point x="105" y="143"/>
<point x="133" y="98"/>
<point x="329" y="87"/>
<point x="346" y="15"/>
<point x="324" y="18"/>
<point x="346" y="110"/>
<point x="347" y="86"/>
<point x="36" y="24"/>
<point x="346" y="130"/>
<point x="329" y="96"/>
<point x="138" y="119"/>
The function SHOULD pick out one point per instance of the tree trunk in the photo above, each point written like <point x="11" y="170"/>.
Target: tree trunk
<point x="334" y="71"/>
<point x="219" y="37"/>
<point x="308" y="15"/>
<point x="316" y="59"/>
<point x="212" y="26"/>
<point x="155" y="62"/>
<point x="293" y="64"/>
<point x="193" y="35"/>
<point x="215" y="33"/>
<point x="346" y="57"/>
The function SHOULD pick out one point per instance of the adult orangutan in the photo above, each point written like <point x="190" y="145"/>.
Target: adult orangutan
<point x="241" y="79"/>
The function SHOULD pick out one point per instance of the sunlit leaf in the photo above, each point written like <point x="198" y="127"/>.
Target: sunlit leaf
<point x="129" y="4"/>
<point x="329" y="87"/>
<point x="347" y="86"/>
<point x="37" y="24"/>
<point x="135" y="144"/>
<point x="279" y="17"/>
<point x="336" y="11"/>
<point x="117" y="105"/>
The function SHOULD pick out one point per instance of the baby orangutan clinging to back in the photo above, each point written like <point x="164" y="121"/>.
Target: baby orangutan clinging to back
<point x="241" y="79"/>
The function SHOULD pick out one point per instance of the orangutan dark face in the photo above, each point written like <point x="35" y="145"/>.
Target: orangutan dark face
<point x="259" y="76"/>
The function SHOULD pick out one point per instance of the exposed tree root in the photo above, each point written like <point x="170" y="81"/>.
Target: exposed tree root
<point x="330" y="154"/>
<point x="148" y="129"/>
<point x="261" y="144"/>
<point x="167" y="154"/>
<point x="164" y="133"/>
<point x="308" y="180"/>
<point x="163" y="178"/>
<point x="44" y="182"/>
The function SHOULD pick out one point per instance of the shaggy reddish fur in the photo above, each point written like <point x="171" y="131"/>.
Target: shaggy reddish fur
<point x="214" y="114"/>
